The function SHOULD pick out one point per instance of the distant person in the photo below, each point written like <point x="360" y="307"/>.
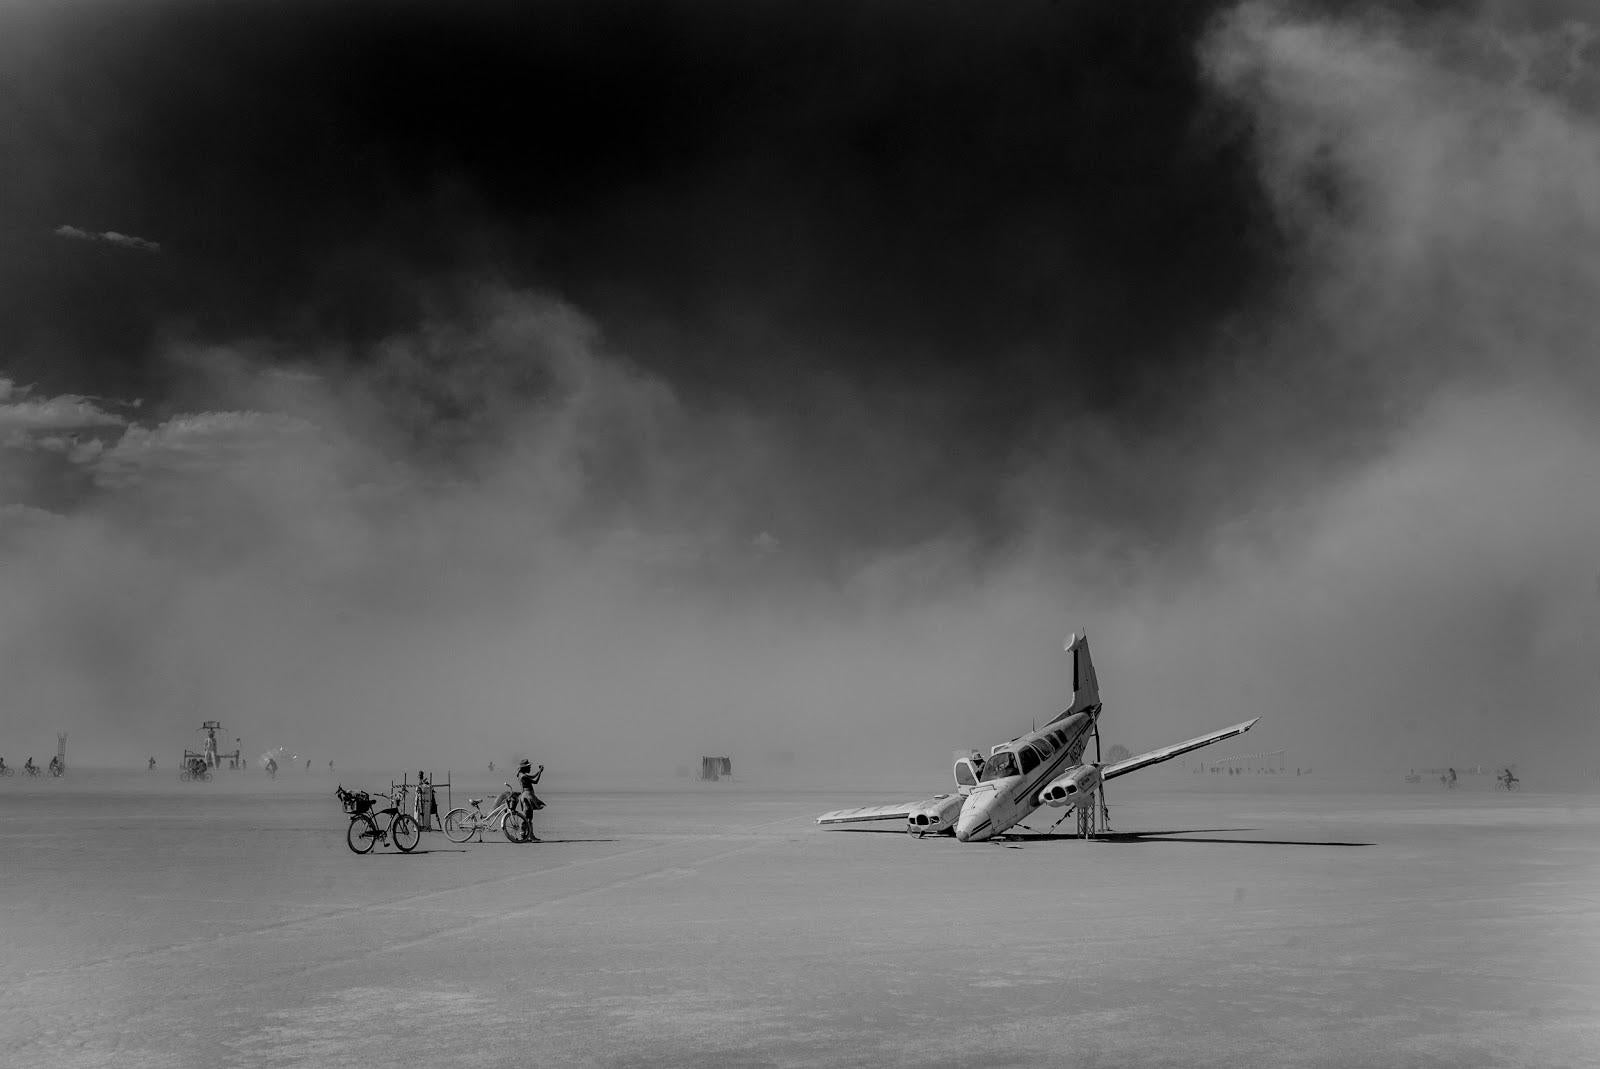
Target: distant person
<point x="152" y="764"/>
<point x="308" y="764"/>
<point x="272" y="768"/>
<point x="3" y="769"/>
<point x="491" y="766"/>
<point x="330" y="766"/>
<point x="1452" y="777"/>
<point x="530" y="801"/>
<point x="29" y="767"/>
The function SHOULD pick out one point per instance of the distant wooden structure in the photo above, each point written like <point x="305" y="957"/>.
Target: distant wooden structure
<point x="715" y="768"/>
<point x="208" y="757"/>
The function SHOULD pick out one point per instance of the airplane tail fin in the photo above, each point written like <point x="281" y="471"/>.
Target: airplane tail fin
<point x="1085" y="686"/>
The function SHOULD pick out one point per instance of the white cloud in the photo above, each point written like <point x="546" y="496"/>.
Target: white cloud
<point x="197" y="444"/>
<point x="29" y="423"/>
<point x="109" y="237"/>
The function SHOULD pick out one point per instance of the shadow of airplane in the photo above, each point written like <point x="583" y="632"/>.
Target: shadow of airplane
<point x="1172" y="837"/>
<point x="1176" y="835"/>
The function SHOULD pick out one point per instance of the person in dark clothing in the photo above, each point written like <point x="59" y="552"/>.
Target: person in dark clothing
<point x="530" y="801"/>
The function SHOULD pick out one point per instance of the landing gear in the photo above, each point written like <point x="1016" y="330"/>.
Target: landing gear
<point x="1094" y="816"/>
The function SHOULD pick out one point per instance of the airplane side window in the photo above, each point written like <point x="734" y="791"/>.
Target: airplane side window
<point x="1045" y="746"/>
<point x="964" y="774"/>
<point x="1030" y="759"/>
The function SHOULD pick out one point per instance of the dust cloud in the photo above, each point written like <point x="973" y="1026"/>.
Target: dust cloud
<point x="1372" y="523"/>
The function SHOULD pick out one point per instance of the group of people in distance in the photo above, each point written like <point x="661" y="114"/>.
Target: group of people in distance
<point x="57" y="766"/>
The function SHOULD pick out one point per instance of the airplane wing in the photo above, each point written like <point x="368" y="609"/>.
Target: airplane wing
<point x="868" y="812"/>
<point x="1167" y="753"/>
<point x="940" y="809"/>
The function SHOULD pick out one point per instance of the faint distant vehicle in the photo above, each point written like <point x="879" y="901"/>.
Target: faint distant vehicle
<point x="462" y="823"/>
<point x="364" y="833"/>
<point x="1506" y="781"/>
<point x="29" y="767"/>
<point x="195" y="768"/>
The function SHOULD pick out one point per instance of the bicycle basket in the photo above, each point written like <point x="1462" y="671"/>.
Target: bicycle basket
<point x="356" y="802"/>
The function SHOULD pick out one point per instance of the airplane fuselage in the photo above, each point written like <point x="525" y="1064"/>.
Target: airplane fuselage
<point x="1013" y="775"/>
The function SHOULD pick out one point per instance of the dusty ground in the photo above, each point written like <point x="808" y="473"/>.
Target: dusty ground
<point x="151" y="922"/>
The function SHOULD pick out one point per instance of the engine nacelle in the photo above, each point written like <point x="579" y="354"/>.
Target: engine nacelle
<point x="936" y="816"/>
<point x="1071" y="787"/>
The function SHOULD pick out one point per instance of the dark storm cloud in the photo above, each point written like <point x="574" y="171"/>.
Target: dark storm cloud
<point x="1007" y="209"/>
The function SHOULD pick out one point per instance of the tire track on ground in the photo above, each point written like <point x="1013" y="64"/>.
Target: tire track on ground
<point x="221" y="939"/>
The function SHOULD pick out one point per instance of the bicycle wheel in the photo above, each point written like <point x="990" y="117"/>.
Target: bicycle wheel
<point x="405" y="833"/>
<point x="205" y="777"/>
<point x="459" y="825"/>
<point x="513" y="827"/>
<point x="362" y="834"/>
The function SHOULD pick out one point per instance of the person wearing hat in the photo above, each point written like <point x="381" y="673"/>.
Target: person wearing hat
<point x="530" y="801"/>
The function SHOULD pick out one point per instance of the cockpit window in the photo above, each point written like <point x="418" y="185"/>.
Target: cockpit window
<point x="1001" y="764"/>
<point x="964" y="776"/>
<point x="1030" y="759"/>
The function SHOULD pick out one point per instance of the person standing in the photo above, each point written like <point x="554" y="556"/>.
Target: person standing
<point x="530" y="801"/>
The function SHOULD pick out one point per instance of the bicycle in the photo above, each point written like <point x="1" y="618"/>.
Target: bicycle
<point x="363" y="833"/>
<point x="1507" y="782"/>
<point x="462" y="823"/>
<point x="6" y="770"/>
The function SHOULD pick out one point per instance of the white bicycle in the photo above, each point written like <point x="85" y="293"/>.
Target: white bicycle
<point x="463" y="822"/>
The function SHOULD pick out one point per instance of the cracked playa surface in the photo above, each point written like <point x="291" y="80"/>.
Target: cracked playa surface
<point x="168" y="924"/>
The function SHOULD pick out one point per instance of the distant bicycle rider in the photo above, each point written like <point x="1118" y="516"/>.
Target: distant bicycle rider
<point x="530" y="801"/>
<point x="29" y="767"/>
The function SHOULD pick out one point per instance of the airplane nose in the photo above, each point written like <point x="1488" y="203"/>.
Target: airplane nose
<point x="976" y="822"/>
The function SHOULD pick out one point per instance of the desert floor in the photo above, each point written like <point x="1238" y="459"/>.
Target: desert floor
<point x="145" y="921"/>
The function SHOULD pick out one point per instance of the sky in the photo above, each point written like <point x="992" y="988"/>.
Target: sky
<point x="618" y="383"/>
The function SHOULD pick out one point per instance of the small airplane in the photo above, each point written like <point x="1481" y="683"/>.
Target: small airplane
<point x="1042" y="768"/>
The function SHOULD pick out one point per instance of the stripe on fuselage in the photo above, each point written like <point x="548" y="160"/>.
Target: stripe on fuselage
<point x="1066" y="756"/>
